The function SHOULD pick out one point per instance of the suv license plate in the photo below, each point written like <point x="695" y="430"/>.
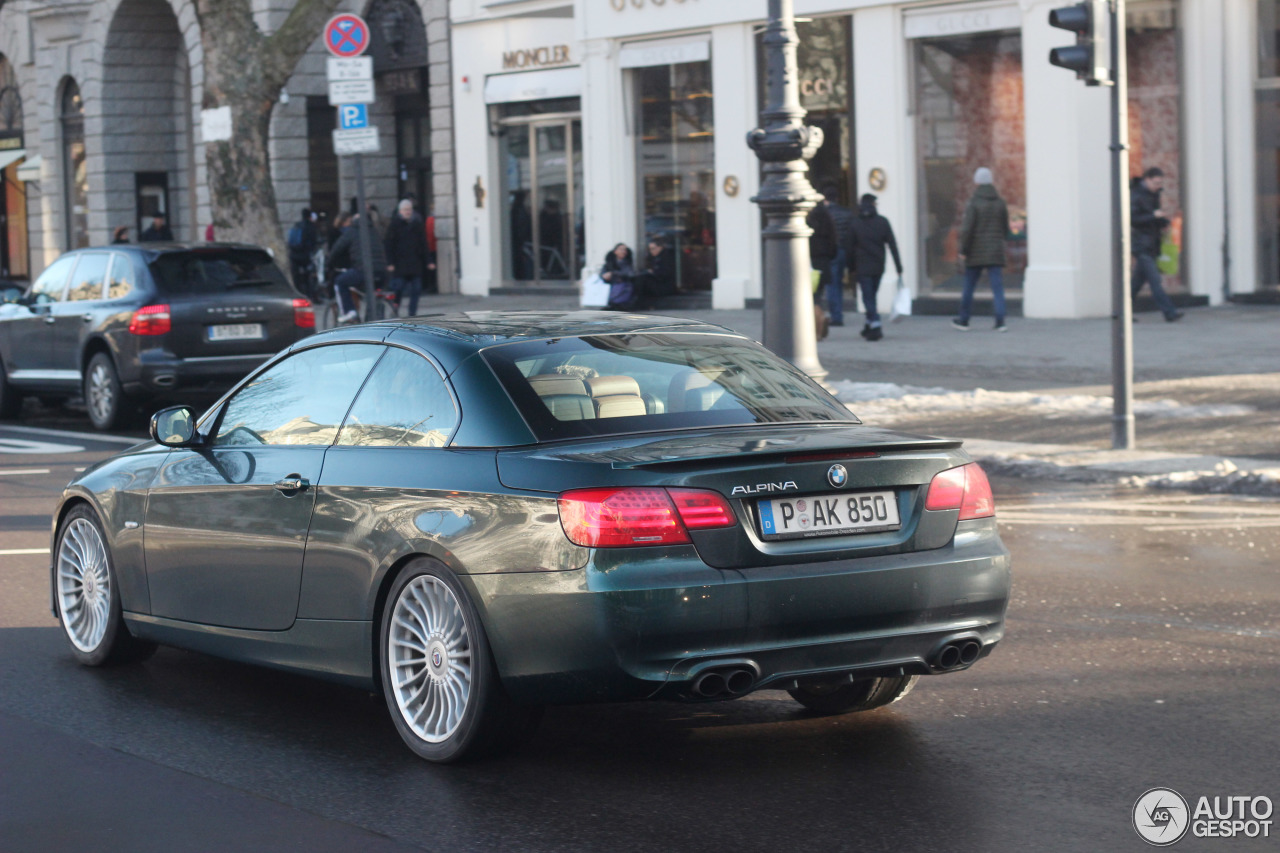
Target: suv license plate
<point x="236" y="332"/>
<point x="828" y="515"/>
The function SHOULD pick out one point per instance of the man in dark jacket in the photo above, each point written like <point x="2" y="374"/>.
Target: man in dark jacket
<point x="871" y="234"/>
<point x="406" y="246"/>
<point x="829" y="248"/>
<point x="157" y="232"/>
<point x="982" y="235"/>
<point x="302" y="240"/>
<point x="1146" y="228"/>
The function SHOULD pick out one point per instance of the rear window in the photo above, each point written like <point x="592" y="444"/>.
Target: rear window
<point x="212" y="271"/>
<point x="613" y="384"/>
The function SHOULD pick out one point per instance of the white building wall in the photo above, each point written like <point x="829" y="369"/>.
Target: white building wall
<point x="1240" y="70"/>
<point x="1203" y="147"/>
<point x="738" y="249"/>
<point x="885" y="133"/>
<point x="1067" y="127"/>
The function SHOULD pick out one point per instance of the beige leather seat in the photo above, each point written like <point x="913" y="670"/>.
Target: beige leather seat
<point x="565" y="397"/>
<point x="616" y="396"/>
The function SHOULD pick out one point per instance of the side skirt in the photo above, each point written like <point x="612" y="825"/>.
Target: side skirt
<point x="339" y="651"/>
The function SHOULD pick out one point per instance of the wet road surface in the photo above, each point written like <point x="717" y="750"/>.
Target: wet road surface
<point x="1142" y="650"/>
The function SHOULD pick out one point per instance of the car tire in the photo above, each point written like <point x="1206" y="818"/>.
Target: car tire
<point x="862" y="695"/>
<point x="10" y="397"/>
<point x="438" y="676"/>
<point x="88" y="594"/>
<point x="103" y="396"/>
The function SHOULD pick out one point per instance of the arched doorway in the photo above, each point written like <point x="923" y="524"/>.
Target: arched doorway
<point x="398" y="44"/>
<point x="13" y="192"/>
<point x="146" y="95"/>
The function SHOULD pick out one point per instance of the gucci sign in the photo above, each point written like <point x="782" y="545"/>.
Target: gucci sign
<point x="621" y="5"/>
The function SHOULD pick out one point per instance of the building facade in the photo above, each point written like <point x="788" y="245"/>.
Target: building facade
<point x="101" y="123"/>
<point x="594" y="122"/>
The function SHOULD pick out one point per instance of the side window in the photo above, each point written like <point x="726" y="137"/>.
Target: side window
<point x="301" y="400"/>
<point x="48" y="287"/>
<point x="405" y="403"/>
<point x="121" y="282"/>
<point x="86" y="281"/>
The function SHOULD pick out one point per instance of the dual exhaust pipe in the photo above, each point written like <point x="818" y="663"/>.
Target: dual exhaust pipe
<point x="956" y="653"/>
<point x="725" y="682"/>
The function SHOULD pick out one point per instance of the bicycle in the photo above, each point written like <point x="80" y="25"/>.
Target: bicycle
<point x="386" y="304"/>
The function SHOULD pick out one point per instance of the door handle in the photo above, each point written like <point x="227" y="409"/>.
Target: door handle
<point x="292" y="483"/>
<point x="48" y="318"/>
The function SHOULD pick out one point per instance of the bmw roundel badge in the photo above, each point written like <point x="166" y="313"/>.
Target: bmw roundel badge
<point x="837" y="475"/>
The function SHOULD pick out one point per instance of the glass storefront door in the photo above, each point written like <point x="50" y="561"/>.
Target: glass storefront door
<point x="677" y="164"/>
<point x="542" y="219"/>
<point x="969" y="110"/>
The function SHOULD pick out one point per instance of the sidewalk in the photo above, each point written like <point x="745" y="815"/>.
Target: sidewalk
<point x="1036" y="401"/>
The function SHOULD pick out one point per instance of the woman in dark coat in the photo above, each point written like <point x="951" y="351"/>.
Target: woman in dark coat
<point x="620" y="271"/>
<point x="982" y="236"/>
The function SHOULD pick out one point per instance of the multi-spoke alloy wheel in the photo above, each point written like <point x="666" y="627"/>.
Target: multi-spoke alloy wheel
<point x="88" y="594"/>
<point x="84" y="585"/>
<point x="429" y="650"/>
<point x="103" y="397"/>
<point x="442" y="688"/>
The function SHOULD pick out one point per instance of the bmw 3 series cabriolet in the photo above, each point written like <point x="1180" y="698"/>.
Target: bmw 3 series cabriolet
<point x="480" y="514"/>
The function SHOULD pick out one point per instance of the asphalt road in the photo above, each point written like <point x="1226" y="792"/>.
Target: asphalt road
<point x="1142" y="651"/>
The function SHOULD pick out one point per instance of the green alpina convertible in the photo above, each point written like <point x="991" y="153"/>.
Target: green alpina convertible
<point x="480" y="514"/>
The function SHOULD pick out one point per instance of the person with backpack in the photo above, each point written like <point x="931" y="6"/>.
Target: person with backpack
<point x="1147" y="224"/>
<point x="302" y="240"/>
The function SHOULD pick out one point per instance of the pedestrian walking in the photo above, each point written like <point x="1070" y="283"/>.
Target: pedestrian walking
<point x="301" y="241"/>
<point x="829" y="248"/>
<point x="1147" y="223"/>
<point x="406" y="247"/>
<point x="982" y="235"/>
<point x="871" y="235"/>
<point x="157" y="232"/>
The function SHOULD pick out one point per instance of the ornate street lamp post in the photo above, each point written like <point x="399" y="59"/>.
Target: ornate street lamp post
<point x="786" y="196"/>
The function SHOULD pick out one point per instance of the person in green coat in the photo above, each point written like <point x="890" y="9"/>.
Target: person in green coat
<point x="982" y="235"/>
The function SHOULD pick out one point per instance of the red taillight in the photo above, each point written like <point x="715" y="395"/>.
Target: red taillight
<point x="702" y="510"/>
<point x="304" y="316"/>
<point x="151" y="320"/>
<point x="631" y="517"/>
<point x="965" y="488"/>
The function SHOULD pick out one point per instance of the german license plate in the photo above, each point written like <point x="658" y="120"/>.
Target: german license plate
<point x="237" y="332"/>
<point x="828" y="515"/>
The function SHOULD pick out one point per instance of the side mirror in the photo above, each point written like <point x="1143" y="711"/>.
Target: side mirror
<point x="174" y="426"/>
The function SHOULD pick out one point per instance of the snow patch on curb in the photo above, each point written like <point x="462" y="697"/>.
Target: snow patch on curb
<point x="1225" y="477"/>
<point x="886" y="401"/>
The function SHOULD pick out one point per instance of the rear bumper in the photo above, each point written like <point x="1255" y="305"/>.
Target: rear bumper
<point x="162" y="372"/>
<point x="648" y="622"/>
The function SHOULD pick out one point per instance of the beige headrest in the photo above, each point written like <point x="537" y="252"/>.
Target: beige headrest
<point x="608" y="386"/>
<point x="546" y="384"/>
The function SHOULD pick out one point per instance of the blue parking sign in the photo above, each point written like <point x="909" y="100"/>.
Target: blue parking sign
<point x="353" y="116"/>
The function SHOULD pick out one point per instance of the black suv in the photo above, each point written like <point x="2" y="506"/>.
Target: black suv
<point x="126" y="324"/>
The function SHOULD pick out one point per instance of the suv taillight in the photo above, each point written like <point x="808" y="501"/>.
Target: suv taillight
<point x="304" y="316"/>
<point x="965" y="488"/>
<point x="151" y="320"/>
<point x="633" y="517"/>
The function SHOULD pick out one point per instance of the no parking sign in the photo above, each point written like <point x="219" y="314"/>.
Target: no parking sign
<point x="346" y="35"/>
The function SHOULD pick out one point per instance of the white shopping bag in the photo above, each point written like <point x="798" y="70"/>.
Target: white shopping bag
<point x="595" y="292"/>
<point x="901" y="302"/>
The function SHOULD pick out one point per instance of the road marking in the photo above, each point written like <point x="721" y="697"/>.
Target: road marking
<point x="83" y="436"/>
<point x="17" y="552"/>
<point x="21" y="445"/>
<point x="17" y="471"/>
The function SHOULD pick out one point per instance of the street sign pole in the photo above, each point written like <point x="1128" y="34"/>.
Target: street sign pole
<point x="1122" y="427"/>
<point x="366" y="234"/>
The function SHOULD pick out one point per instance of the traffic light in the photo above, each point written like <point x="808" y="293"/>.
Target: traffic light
<point x="1090" y="57"/>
